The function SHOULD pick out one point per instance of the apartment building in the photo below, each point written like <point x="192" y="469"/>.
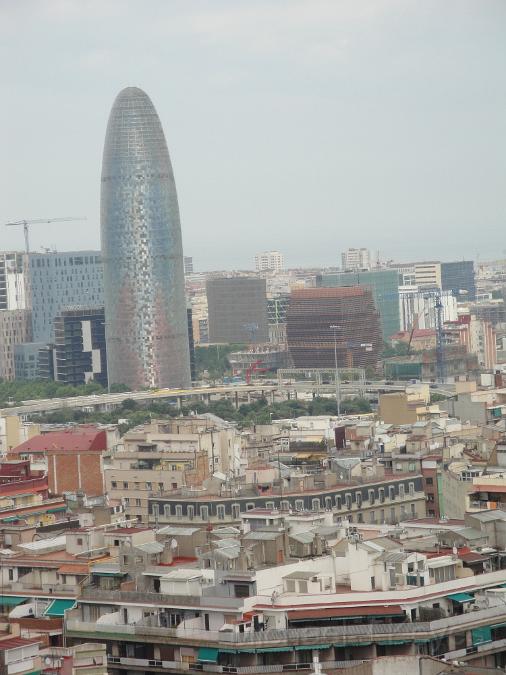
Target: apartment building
<point x="364" y="596"/>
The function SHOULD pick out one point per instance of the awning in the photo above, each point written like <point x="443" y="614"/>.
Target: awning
<point x="339" y="613"/>
<point x="11" y="600"/>
<point x="59" y="607"/>
<point x="208" y="654"/>
<point x="300" y="647"/>
<point x="354" y="644"/>
<point x="460" y="597"/>
<point x="394" y="642"/>
<point x="481" y="635"/>
<point x="272" y="650"/>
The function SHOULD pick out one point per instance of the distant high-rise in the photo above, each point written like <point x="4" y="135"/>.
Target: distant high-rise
<point x="384" y="285"/>
<point x="57" y="281"/>
<point x="145" y="308"/>
<point x="356" y="259"/>
<point x="188" y="264"/>
<point x="237" y="310"/>
<point x="269" y="261"/>
<point x="459" y="277"/>
<point x="325" y="324"/>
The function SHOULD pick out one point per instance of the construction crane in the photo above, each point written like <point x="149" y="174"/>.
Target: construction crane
<point x="36" y="221"/>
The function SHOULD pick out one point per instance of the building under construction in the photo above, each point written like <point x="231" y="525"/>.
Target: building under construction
<point x="325" y="322"/>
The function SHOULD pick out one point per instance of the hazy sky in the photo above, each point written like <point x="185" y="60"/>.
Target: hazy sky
<point x="302" y="125"/>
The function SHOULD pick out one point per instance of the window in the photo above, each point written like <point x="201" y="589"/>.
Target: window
<point x="360" y="518"/>
<point x="269" y="505"/>
<point x="156" y="509"/>
<point x="174" y="486"/>
<point x="315" y="505"/>
<point x="220" y="511"/>
<point x="358" y="499"/>
<point x="429" y="481"/>
<point x="179" y="511"/>
<point x="137" y="502"/>
<point x="125" y="485"/>
<point x="241" y="590"/>
<point x="339" y="502"/>
<point x="382" y="516"/>
<point x="411" y="489"/>
<point x="204" y="512"/>
<point x="430" y="497"/>
<point x="372" y="516"/>
<point x="299" y="505"/>
<point x="285" y="505"/>
<point x="347" y="497"/>
<point x="328" y="503"/>
<point x="114" y="484"/>
<point x="402" y="491"/>
<point x="413" y="510"/>
<point x="236" y="511"/>
<point x="79" y="541"/>
<point x="393" y="518"/>
<point x="166" y="510"/>
<point x="148" y="485"/>
<point x="190" y="512"/>
<point x="11" y="574"/>
<point x="381" y="494"/>
<point x="250" y="506"/>
<point x="371" y="497"/>
<point x="391" y="492"/>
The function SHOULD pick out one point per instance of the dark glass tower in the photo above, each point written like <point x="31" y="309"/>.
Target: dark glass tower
<point x="145" y="308"/>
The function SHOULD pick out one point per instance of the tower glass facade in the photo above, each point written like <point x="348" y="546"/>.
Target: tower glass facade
<point x="145" y="308"/>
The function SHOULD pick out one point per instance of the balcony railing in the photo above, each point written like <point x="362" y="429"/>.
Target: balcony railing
<point x="180" y="666"/>
<point x="297" y="636"/>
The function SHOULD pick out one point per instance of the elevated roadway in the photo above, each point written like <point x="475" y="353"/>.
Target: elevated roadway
<point x="237" y="392"/>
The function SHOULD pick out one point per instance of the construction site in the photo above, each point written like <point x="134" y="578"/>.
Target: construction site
<point x="333" y="328"/>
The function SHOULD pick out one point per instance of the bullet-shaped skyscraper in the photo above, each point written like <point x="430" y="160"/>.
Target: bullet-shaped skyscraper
<point x="145" y="309"/>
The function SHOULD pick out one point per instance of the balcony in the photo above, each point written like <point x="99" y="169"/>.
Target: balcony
<point x="148" y="665"/>
<point x="338" y="635"/>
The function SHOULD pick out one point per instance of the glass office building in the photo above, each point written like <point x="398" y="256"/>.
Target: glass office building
<point x="459" y="277"/>
<point x="384" y="285"/>
<point x="145" y="308"/>
<point x="61" y="280"/>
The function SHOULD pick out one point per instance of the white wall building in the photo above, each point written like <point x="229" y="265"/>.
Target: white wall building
<point x="269" y="260"/>
<point x="356" y="259"/>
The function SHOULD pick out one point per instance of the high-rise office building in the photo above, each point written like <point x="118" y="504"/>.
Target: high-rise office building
<point x="325" y="323"/>
<point x="237" y="308"/>
<point x="13" y="281"/>
<point x="80" y="354"/>
<point x="60" y="280"/>
<point x="384" y="285"/>
<point x="145" y="307"/>
<point x="459" y="277"/>
<point x="15" y="316"/>
<point x="356" y="259"/>
<point x="269" y="261"/>
<point x="15" y="328"/>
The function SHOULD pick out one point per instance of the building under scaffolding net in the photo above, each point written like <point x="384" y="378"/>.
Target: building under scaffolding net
<point x="329" y="324"/>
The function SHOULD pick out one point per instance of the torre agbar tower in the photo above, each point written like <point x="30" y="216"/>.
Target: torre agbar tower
<point x="145" y="308"/>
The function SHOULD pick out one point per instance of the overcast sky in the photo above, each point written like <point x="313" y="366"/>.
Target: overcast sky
<point x="302" y="125"/>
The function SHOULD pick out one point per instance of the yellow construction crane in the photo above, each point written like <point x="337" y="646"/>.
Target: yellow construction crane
<point x="37" y="221"/>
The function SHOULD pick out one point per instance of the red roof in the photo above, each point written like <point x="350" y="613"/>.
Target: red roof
<point x="15" y="643"/>
<point x="344" y="612"/>
<point x="79" y="439"/>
